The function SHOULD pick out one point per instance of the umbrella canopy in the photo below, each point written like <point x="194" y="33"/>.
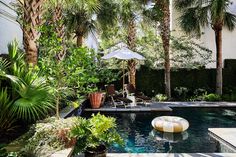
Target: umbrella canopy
<point x="124" y="54"/>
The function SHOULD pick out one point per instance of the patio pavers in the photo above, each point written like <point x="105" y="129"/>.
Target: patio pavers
<point x="161" y="106"/>
<point x="139" y="108"/>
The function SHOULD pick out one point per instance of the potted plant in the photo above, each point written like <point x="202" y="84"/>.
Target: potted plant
<point x="96" y="99"/>
<point x="95" y="135"/>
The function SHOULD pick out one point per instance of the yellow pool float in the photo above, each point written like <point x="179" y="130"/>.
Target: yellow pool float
<point x="170" y="124"/>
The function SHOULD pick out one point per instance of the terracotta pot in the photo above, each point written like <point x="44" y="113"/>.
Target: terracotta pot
<point x="100" y="151"/>
<point x="96" y="99"/>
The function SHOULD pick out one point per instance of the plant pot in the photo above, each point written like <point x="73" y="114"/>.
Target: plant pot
<point x="100" y="151"/>
<point x="96" y="99"/>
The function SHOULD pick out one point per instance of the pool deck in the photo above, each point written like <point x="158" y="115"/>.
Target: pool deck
<point x="161" y="106"/>
<point x="225" y="135"/>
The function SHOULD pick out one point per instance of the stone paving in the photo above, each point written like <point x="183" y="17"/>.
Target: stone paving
<point x="161" y="106"/>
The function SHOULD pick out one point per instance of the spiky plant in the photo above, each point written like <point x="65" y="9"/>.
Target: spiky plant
<point x="31" y="96"/>
<point x="7" y="119"/>
<point x="197" y="14"/>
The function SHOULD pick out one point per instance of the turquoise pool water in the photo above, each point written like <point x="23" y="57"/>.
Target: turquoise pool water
<point x="139" y="136"/>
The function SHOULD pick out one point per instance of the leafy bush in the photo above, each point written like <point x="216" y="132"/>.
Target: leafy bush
<point x="95" y="131"/>
<point x="212" y="97"/>
<point x="3" y="151"/>
<point x="49" y="136"/>
<point x="181" y="92"/>
<point x="161" y="97"/>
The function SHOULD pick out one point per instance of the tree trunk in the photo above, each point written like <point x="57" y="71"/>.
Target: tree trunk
<point x="219" y="65"/>
<point x="32" y="19"/>
<point x="59" y="28"/>
<point x="131" y="45"/>
<point x="132" y="72"/>
<point x="165" y="35"/>
<point x="80" y="39"/>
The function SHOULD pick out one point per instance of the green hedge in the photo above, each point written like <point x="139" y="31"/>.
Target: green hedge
<point x="151" y="82"/>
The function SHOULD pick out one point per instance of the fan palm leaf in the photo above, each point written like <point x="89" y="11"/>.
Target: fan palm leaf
<point x="35" y="99"/>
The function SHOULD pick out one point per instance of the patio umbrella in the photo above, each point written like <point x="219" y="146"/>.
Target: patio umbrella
<point x="123" y="54"/>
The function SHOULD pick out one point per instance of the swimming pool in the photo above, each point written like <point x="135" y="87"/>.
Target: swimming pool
<point x="139" y="136"/>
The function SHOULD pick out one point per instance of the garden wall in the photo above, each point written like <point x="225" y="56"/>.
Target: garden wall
<point x="151" y="81"/>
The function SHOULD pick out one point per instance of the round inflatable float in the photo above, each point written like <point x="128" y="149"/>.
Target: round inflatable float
<point x="170" y="124"/>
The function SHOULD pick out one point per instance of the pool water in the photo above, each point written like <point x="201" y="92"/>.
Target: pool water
<point x="139" y="136"/>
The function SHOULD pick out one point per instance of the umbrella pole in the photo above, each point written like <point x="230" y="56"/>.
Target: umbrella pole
<point x="123" y="78"/>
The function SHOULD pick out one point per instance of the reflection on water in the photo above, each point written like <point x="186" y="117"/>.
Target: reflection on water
<point x="168" y="136"/>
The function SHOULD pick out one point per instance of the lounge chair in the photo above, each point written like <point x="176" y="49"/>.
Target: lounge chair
<point x="140" y="97"/>
<point x="115" y="98"/>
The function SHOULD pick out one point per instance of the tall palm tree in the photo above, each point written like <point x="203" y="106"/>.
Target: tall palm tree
<point x="129" y="11"/>
<point x="79" y="17"/>
<point x="165" y="35"/>
<point x="30" y="17"/>
<point x="196" y="14"/>
<point x="160" y="13"/>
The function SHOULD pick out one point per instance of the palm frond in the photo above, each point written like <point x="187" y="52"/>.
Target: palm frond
<point x="189" y="22"/>
<point x="35" y="99"/>
<point x="229" y="21"/>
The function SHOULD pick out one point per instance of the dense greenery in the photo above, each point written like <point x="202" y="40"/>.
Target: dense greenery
<point x="47" y="137"/>
<point x="77" y="74"/>
<point x="24" y="94"/>
<point x="95" y="131"/>
<point x="54" y="69"/>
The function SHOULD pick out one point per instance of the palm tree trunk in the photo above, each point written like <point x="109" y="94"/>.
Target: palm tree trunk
<point x="59" y="28"/>
<point x="165" y="35"/>
<point x="219" y="65"/>
<point x="31" y="21"/>
<point x="131" y="45"/>
<point x="80" y="41"/>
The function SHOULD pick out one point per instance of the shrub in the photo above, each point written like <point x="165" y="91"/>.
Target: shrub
<point x="49" y="136"/>
<point x="95" y="131"/>
<point x="3" y="151"/>
<point x="161" y="97"/>
<point x="181" y="92"/>
<point x="212" y="97"/>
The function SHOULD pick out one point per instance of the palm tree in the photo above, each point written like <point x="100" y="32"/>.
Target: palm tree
<point x="30" y="17"/>
<point x="55" y="16"/>
<point x="129" y="11"/>
<point x="165" y="35"/>
<point x="79" y="17"/>
<point x="196" y="14"/>
<point x="161" y="13"/>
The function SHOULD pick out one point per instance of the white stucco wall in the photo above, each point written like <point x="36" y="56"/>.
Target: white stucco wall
<point x="9" y="28"/>
<point x="208" y="38"/>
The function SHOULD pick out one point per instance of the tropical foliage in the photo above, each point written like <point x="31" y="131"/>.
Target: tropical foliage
<point x="95" y="131"/>
<point x="24" y="94"/>
<point x="47" y="137"/>
<point x="198" y="14"/>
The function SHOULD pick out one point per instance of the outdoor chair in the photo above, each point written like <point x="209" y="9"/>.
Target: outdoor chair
<point x="115" y="98"/>
<point x="140" y="97"/>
